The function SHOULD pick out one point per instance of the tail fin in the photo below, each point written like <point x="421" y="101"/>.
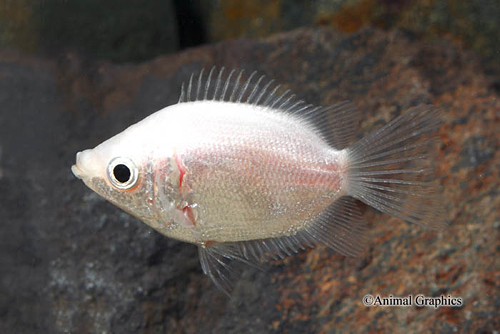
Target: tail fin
<point x="392" y="170"/>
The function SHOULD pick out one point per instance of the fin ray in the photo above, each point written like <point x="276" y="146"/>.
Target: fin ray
<point x="392" y="168"/>
<point x="336" y="123"/>
<point x="217" y="262"/>
<point x="341" y="227"/>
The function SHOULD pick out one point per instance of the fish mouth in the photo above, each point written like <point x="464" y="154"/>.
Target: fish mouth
<point x="87" y="165"/>
<point x="77" y="171"/>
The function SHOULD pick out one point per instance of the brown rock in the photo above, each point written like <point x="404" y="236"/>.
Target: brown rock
<point x="72" y="262"/>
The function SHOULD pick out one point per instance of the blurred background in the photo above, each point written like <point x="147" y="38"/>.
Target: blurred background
<point x="75" y="72"/>
<point x="135" y="30"/>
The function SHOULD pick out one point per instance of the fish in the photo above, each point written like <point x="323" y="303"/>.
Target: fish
<point x="248" y="172"/>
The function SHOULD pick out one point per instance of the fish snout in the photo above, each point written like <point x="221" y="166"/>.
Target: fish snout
<point x="82" y="166"/>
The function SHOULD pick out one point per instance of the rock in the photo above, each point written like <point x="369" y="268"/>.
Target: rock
<point x="118" y="30"/>
<point x="71" y="262"/>
<point x="473" y="23"/>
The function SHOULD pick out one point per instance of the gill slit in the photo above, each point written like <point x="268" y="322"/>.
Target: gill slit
<point x="186" y="209"/>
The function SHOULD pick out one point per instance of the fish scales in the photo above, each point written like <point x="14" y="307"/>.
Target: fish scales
<point x="248" y="174"/>
<point x="255" y="174"/>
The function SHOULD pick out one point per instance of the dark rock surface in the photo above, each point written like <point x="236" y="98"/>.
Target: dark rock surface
<point x="71" y="262"/>
<point x="474" y="23"/>
<point x="135" y="30"/>
<point x="119" y="30"/>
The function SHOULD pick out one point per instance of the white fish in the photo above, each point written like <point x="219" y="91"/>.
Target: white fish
<point x="248" y="174"/>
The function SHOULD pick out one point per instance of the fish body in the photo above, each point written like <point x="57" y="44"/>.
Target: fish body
<point x="256" y="176"/>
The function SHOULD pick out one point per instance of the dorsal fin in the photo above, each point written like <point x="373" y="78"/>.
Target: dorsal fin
<point x="232" y="86"/>
<point x="336" y="123"/>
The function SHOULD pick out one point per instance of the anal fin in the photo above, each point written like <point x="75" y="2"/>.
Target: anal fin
<point x="341" y="228"/>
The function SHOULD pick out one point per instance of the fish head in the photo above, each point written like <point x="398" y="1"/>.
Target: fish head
<point x="117" y="170"/>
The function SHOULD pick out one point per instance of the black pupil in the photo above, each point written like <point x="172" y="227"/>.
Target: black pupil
<point x="122" y="173"/>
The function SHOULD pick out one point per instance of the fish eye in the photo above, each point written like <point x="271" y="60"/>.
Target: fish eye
<point x="122" y="173"/>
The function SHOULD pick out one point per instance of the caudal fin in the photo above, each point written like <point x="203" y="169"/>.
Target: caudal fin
<point x="392" y="170"/>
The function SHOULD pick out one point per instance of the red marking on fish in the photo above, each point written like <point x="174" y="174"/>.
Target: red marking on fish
<point x="210" y="243"/>
<point x="182" y="169"/>
<point x="188" y="214"/>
